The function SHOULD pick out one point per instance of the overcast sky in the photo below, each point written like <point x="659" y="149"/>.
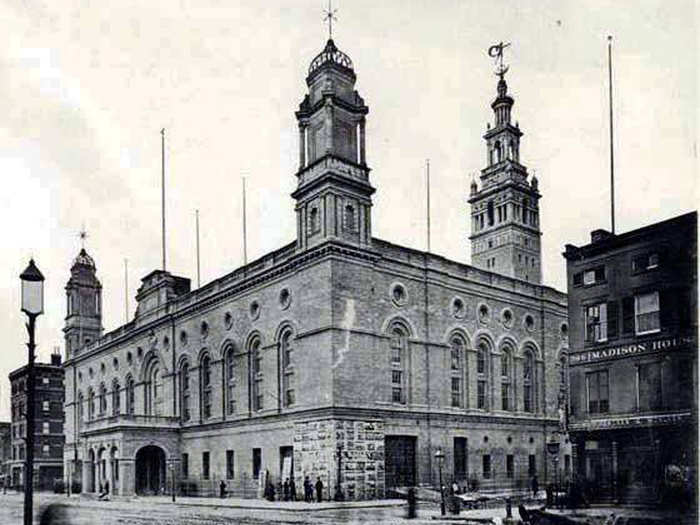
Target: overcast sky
<point x="86" y="88"/>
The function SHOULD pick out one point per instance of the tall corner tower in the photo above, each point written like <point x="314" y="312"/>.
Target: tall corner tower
<point x="333" y="195"/>
<point x="84" y="305"/>
<point x="505" y="230"/>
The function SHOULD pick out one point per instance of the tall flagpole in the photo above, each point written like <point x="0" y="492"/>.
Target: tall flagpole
<point x="126" y="290"/>
<point x="162" y="187"/>
<point x="427" y="200"/>
<point x="612" y="155"/>
<point x="245" y="233"/>
<point x="199" y="281"/>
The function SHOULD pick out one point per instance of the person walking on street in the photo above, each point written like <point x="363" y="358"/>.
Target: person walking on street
<point x="308" y="491"/>
<point x="319" y="489"/>
<point x="285" y="488"/>
<point x="292" y="490"/>
<point x="535" y="486"/>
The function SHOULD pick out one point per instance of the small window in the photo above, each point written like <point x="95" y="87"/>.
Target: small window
<point x="45" y="427"/>
<point x="645" y="262"/>
<point x="45" y="406"/>
<point x="596" y="317"/>
<point x="598" y="400"/>
<point x="646" y="312"/>
<point x="486" y="466"/>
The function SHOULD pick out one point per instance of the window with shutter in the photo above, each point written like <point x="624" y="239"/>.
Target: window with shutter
<point x="612" y="319"/>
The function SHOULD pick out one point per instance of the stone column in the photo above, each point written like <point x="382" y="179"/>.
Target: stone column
<point x="302" y="145"/>
<point x="126" y="477"/>
<point x="362" y="142"/>
<point x="614" y="471"/>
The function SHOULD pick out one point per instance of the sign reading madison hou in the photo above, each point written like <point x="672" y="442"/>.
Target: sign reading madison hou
<point x="643" y="347"/>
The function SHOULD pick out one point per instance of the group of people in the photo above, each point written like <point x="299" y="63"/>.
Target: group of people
<point x="288" y="490"/>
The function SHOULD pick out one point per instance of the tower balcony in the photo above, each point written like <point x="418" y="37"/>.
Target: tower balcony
<point x="130" y="421"/>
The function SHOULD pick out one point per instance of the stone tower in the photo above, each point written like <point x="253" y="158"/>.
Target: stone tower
<point x="333" y="196"/>
<point x="84" y="305"/>
<point x="505" y="227"/>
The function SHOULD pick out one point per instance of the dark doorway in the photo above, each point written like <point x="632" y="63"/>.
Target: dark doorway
<point x="150" y="471"/>
<point x="400" y="461"/>
<point x="257" y="462"/>
<point x="460" y="455"/>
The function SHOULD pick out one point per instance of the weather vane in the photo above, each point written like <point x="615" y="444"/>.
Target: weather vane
<point x="83" y="234"/>
<point x="496" y="52"/>
<point x="330" y="16"/>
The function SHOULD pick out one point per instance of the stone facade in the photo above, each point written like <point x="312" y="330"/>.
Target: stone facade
<point x="336" y="343"/>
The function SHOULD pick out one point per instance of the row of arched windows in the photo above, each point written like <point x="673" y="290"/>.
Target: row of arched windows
<point x="484" y="378"/>
<point x="97" y="402"/>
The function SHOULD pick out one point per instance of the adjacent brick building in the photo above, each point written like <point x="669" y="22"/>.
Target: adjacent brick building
<point x="5" y="451"/>
<point x="338" y="348"/>
<point x="48" y="417"/>
<point x="633" y="362"/>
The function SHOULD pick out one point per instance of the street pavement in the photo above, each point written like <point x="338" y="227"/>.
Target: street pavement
<point x="82" y="510"/>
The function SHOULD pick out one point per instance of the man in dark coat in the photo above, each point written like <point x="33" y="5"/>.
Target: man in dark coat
<point x="285" y="488"/>
<point x="308" y="491"/>
<point x="292" y="490"/>
<point x="319" y="489"/>
<point x="535" y="486"/>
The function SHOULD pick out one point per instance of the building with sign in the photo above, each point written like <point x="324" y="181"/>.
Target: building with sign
<point x="48" y="421"/>
<point x="633" y="361"/>
<point x="340" y="355"/>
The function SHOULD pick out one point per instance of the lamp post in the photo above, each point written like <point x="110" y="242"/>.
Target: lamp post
<point x="553" y="449"/>
<point x="440" y="457"/>
<point x="172" y="475"/>
<point x="339" y="496"/>
<point x="32" y="306"/>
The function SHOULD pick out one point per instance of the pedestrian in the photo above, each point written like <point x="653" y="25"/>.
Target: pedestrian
<point x="292" y="490"/>
<point x="308" y="492"/>
<point x="285" y="488"/>
<point x="535" y="486"/>
<point x="106" y="487"/>
<point x="319" y="489"/>
<point x="222" y="489"/>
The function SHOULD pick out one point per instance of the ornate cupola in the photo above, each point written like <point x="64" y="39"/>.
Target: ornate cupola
<point x="83" y="304"/>
<point x="333" y="193"/>
<point x="505" y="210"/>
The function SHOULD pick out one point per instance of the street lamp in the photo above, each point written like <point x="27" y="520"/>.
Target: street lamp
<point x="339" y="496"/>
<point x="32" y="306"/>
<point x="172" y="475"/>
<point x="553" y="449"/>
<point x="440" y="457"/>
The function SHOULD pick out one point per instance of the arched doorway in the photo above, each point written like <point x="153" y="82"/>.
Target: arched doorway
<point x="150" y="470"/>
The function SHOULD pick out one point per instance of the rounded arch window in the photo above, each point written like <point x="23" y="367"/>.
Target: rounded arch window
<point x="166" y="342"/>
<point x="129" y="358"/>
<point x="139" y="352"/>
<point x="350" y="221"/>
<point x="459" y="309"/>
<point x="91" y="373"/>
<point x="564" y="330"/>
<point x="102" y="368"/>
<point x="228" y="320"/>
<point x="183" y="337"/>
<point x="204" y="329"/>
<point x="285" y="298"/>
<point x="482" y="353"/>
<point x="399" y="295"/>
<point x="115" y="363"/>
<point x="457" y="347"/>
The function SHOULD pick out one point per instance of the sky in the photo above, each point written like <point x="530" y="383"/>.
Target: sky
<point x="87" y="85"/>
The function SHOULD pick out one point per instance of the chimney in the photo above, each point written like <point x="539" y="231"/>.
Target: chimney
<point x="56" y="356"/>
<point x="600" y="235"/>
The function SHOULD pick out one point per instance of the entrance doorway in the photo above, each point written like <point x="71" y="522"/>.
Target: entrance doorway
<point x="400" y="461"/>
<point x="150" y="471"/>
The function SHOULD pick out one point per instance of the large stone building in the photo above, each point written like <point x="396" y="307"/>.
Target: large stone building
<point x="336" y="348"/>
<point x="633" y="362"/>
<point x="48" y="424"/>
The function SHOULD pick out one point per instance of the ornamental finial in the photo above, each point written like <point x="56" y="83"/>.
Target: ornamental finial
<point x="496" y="52"/>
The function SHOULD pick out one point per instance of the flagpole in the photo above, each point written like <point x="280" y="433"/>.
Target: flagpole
<point x="199" y="281"/>
<point x="427" y="200"/>
<point x="162" y="193"/>
<point x="126" y="290"/>
<point x="245" y="235"/>
<point x="612" y="154"/>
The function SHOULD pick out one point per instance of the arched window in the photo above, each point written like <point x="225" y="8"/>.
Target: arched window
<point x="350" y="218"/>
<point x="130" y="398"/>
<point x="103" y="399"/>
<point x="457" y="371"/>
<point x="185" y="391"/>
<point x="116" y="402"/>
<point x="287" y="351"/>
<point x="529" y="382"/>
<point x="482" y="355"/>
<point x="399" y="347"/>
<point x="91" y="404"/>
<point x="489" y="213"/>
<point x="499" y="151"/>
<point x="314" y="222"/>
<point x="81" y="415"/>
<point x="230" y="378"/>
<point x="511" y="151"/>
<point x="153" y="389"/>
<point x="205" y="386"/>
<point x="506" y="371"/>
<point x="256" y="373"/>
